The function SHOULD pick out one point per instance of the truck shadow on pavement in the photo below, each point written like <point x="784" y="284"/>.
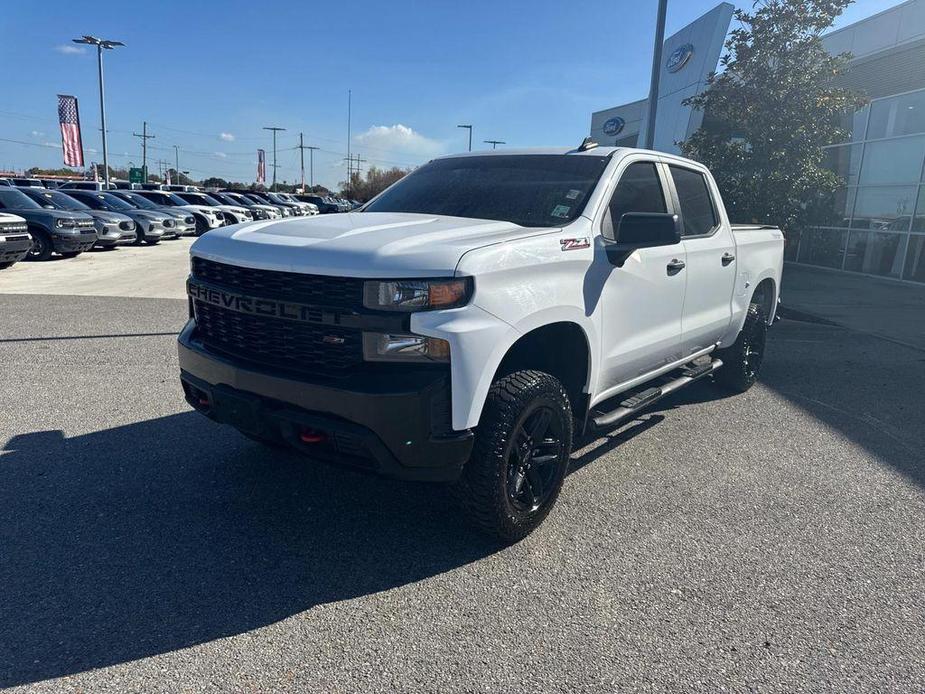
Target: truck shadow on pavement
<point x="151" y="537"/>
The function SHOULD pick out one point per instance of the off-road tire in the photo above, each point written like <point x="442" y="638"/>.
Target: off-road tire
<point x="742" y="360"/>
<point x="484" y="489"/>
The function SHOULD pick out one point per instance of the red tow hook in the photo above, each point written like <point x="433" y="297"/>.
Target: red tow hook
<point x="311" y="436"/>
<point x="203" y="401"/>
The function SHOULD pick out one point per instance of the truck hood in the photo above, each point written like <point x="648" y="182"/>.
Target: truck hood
<point x="368" y="244"/>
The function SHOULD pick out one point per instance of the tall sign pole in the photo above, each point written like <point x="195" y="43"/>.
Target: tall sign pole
<point x="656" y="73"/>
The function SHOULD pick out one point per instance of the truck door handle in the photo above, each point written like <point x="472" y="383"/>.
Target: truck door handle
<point x="728" y="258"/>
<point x="675" y="266"/>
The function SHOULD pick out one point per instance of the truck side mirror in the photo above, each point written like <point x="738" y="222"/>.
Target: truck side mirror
<point x="643" y="230"/>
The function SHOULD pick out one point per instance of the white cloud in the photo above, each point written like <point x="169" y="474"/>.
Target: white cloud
<point x="227" y="137"/>
<point x="36" y="133"/>
<point x="220" y="154"/>
<point x="70" y="49"/>
<point x="398" y="140"/>
<point x="52" y="144"/>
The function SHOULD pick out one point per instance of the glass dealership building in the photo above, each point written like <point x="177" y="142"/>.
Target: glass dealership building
<point x="878" y="226"/>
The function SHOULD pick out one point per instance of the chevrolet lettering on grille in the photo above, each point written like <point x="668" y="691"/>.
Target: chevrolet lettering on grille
<point x="255" y="306"/>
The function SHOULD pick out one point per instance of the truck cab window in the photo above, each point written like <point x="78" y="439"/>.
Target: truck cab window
<point x="639" y="190"/>
<point x="697" y="209"/>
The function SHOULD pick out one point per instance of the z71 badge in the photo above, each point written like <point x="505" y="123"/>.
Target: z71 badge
<point x="574" y="244"/>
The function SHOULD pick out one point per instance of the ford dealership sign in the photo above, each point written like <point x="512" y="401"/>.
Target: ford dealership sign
<point x="613" y="126"/>
<point x="679" y="57"/>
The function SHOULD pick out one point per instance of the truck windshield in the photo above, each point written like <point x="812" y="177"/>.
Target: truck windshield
<point x="532" y="190"/>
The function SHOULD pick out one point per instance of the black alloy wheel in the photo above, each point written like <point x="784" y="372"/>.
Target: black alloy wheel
<point x="531" y="471"/>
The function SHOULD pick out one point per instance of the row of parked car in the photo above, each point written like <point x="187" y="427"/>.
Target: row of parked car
<point x="39" y="218"/>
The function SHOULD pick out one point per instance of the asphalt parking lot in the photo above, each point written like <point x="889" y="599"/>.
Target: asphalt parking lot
<point x="766" y="542"/>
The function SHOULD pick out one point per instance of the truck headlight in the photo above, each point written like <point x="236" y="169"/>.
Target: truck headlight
<point x="416" y="295"/>
<point x="400" y="347"/>
<point x="66" y="223"/>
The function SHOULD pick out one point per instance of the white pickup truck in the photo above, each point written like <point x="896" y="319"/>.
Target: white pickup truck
<point x="473" y="320"/>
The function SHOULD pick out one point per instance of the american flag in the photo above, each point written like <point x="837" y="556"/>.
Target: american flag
<point x="69" y="119"/>
<point x="261" y="166"/>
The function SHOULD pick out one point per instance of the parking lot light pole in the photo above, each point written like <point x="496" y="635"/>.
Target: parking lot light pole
<point x="176" y="167"/>
<point x="100" y="45"/>
<point x="494" y="143"/>
<point x="469" y="128"/>
<point x="275" y="130"/>
<point x="649" y="142"/>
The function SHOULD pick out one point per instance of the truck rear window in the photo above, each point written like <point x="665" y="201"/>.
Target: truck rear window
<point x="531" y="190"/>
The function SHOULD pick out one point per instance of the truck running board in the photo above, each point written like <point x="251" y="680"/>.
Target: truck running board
<point x="632" y="405"/>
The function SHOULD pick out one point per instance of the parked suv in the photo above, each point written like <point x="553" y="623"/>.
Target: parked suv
<point x="150" y="226"/>
<point x="259" y="211"/>
<point x="112" y="229"/>
<point x="184" y="221"/>
<point x="52" y="231"/>
<point x="324" y="206"/>
<point x="207" y="217"/>
<point x="234" y="214"/>
<point x="15" y="241"/>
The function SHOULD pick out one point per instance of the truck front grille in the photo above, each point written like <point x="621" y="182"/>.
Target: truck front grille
<point x="344" y="293"/>
<point x="304" y="348"/>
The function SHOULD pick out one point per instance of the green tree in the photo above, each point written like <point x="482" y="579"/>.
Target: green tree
<point x="375" y="181"/>
<point x="770" y="111"/>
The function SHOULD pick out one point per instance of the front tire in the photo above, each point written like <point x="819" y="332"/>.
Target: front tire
<point x="520" y="457"/>
<point x="742" y="360"/>
<point x="41" y="245"/>
<point x="70" y="254"/>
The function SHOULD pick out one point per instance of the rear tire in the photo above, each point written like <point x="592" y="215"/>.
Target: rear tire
<point x="742" y="360"/>
<point x="520" y="457"/>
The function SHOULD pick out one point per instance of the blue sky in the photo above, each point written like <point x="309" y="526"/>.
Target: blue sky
<point x="208" y="75"/>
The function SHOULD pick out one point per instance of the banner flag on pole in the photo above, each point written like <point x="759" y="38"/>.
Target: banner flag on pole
<point x="69" y="119"/>
<point x="261" y="166"/>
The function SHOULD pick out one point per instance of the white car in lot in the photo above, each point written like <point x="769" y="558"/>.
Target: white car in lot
<point x="207" y="217"/>
<point x="259" y="211"/>
<point x="234" y="214"/>
<point x="478" y="316"/>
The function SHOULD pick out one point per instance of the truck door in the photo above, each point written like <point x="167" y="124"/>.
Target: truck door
<point x="711" y="264"/>
<point x="642" y="300"/>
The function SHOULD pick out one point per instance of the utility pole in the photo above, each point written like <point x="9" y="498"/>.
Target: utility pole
<point x="144" y="148"/>
<point x="100" y="45"/>
<point x="349" y="115"/>
<point x="311" y="165"/>
<point x="494" y="143"/>
<point x="176" y="151"/>
<point x="469" y="128"/>
<point x="275" y="130"/>
<point x="656" y="73"/>
<point x="302" y="148"/>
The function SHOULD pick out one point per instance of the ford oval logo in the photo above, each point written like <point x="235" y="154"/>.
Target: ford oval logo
<point x="679" y="57"/>
<point x="613" y="126"/>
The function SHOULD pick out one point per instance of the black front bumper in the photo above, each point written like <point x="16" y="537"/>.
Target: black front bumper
<point x="74" y="243"/>
<point x="15" y="247"/>
<point x="393" y="424"/>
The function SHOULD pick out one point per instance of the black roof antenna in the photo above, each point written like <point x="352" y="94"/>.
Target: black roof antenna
<point x="587" y="144"/>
